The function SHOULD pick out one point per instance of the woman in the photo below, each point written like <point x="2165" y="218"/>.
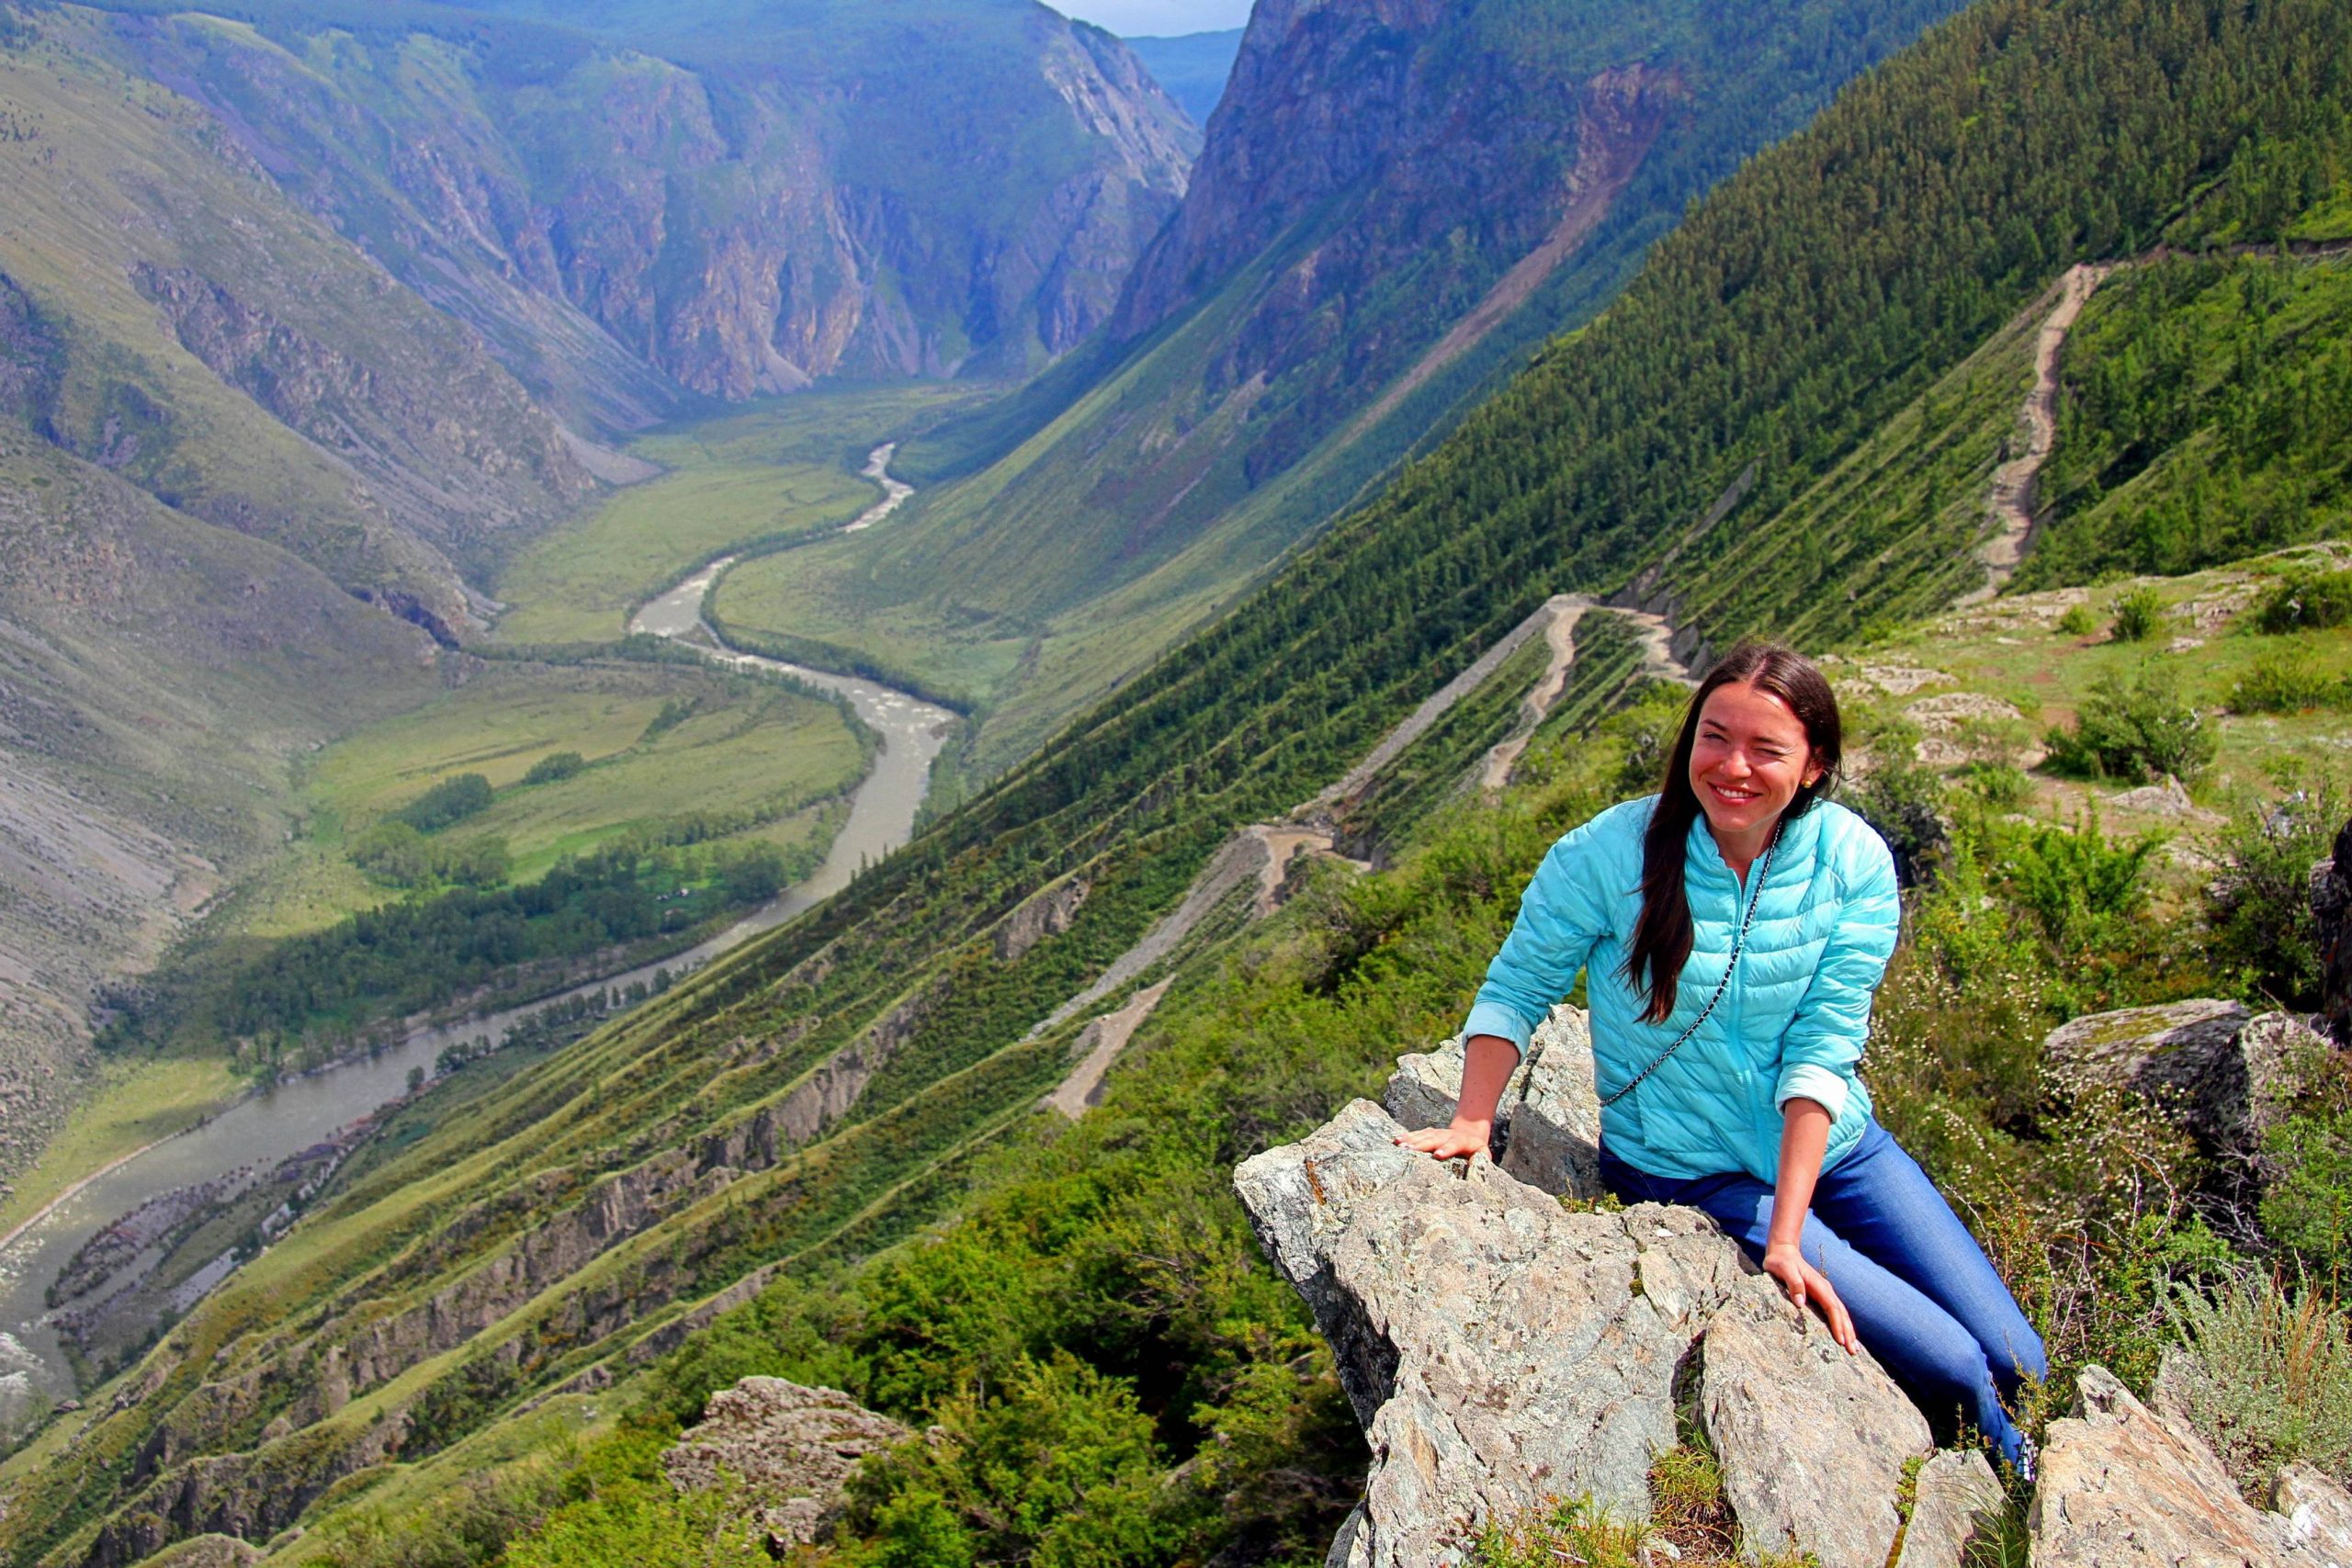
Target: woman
<point x="1732" y="929"/>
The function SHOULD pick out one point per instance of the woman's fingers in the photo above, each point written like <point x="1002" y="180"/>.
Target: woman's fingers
<point x="1841" y="1321"/>
<point x="1446" y="1143"/>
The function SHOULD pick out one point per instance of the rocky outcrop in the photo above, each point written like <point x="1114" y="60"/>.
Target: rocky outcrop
<point x="1547" y="1127"/>
<point x="2225" y="1074"/>
<point x="2122" y="1487"/>
<point x="1045" y="914"/>
<point x="1506" y="1347"/>
<point x="1812" y="1439"/>
<point x="1503" y="1349"/>
<point x="790" y="1448"/>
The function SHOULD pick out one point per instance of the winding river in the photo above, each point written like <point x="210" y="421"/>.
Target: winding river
<point x="266" y="1127"/>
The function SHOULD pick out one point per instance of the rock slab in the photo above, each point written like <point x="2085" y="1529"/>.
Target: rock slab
<point x="791" y="1447"/>
<point x="1547" y="1128"/>
<point x="1501" y="1349"/>
<point x="1955" y="1494"/>
<point x="2121" y="1487"/>
<point x="1812" y="1439"/>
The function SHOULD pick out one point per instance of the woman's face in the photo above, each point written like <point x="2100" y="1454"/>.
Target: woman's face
<point x="1749" y="761"/>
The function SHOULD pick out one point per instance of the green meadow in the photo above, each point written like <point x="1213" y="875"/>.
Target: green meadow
<point x="730" y="482"/>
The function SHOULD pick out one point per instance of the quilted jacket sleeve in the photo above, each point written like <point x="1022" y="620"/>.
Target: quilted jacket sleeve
<point x="1561" y="915"/>
<point x="1825" y="1038"/>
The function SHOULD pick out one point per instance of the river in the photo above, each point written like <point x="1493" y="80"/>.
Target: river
<point x="266" y="1127"/>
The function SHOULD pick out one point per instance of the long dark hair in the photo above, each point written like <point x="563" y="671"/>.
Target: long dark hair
<point x="1662" y="936"/>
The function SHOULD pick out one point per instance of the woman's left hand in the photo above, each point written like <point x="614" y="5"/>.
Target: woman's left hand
<point x="1805" y="1285"/>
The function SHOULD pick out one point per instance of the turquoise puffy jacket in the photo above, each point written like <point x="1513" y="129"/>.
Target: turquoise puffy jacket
<point x="1792" y="1021"/>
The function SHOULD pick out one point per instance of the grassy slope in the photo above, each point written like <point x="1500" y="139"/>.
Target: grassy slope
<point x="1247" y="720"/>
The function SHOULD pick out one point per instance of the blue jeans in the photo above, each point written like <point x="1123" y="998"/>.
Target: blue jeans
<point x="1923" y="1295"/>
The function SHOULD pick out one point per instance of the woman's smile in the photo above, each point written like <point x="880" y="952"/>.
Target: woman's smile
<point x="1748" y="761"/>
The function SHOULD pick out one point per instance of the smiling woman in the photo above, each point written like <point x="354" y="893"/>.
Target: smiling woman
<point x="1737" y="1093"/>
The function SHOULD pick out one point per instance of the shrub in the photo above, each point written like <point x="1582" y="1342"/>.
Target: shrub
<point x="1060" y="1471"/>
<point x="2139" y="614"/>
<point x="2258" y="908"/>
<point x="2286" y="682"/>
<point x="2075" y="883"/>
<point x="2307" y="600"/>
<point x="2077" y="621"/>
<point x="2307" y="1203"/>
<point x="452" y="800"/>
<point x="2000" y="785"/>
<point x="2140" y="731"/>
<point x="554" y="766"/>
<point x="1903" y="801"/>
<point x="2271" y="1380"/>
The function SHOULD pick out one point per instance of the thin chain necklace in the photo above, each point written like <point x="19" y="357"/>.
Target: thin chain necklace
<point x="1739" y="944"/>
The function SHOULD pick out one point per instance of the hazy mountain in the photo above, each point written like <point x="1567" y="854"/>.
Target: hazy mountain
<point x="1193" y="67"/>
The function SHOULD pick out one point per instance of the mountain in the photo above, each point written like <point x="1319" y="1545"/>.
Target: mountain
<point x="637" y="201"/>
<point x="1791" y="419"/>
<point x="1395" y="201"/>
<point x="1193" y="67"/>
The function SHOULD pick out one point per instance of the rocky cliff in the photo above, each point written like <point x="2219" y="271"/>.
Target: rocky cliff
<point x="1508" y="1342"/>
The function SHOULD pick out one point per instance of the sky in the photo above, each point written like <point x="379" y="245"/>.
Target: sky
<point x="1162" y="19"/>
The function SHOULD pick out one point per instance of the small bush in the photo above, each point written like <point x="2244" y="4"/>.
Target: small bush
<point x="1997" y="785"/>
<point x="2271" y="1379"/>
<point x="2287" y="682"/>
<point x="2307" y="600"/>
<point x="555" y="766"/>
<point x="2077" y="621"/>
<point x="452" y="800"/>
<point x="2075" y="883"/>
<point x="2258" y="908"/>
<point x="1562" y="1532"/>
<point x="2140" y="732"/>
<point x="2139" y="615"/>
<point x="1903" y="801"/>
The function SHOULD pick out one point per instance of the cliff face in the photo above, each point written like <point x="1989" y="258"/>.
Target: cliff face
<point x="836" y="193"/>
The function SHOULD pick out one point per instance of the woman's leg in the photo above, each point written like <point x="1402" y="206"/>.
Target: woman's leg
<point x="1936" y="1358"/>
<point x="1879" y="1200"/>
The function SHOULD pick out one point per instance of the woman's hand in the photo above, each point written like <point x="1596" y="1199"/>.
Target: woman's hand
<point x="1805" y="1284"/>
<point x="1459" y="1139"/>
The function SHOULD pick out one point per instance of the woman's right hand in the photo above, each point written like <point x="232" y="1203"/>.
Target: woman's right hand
<point x="1459" y="1139"/>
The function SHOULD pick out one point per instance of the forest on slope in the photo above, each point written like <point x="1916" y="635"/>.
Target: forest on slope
<point x="563" y="1221"/>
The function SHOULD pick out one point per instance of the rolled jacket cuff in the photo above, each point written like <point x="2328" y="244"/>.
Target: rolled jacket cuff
<point x="1807" y="1080"/>
<point x="1493" y="1018"/>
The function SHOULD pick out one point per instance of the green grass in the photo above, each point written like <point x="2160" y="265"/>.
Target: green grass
<point x="780" y="468"/>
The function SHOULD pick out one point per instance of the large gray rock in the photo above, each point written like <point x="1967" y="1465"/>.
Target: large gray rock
<point x="1812" y="1439"/>
<point x="2230" y="1076"/>
<point x="1953" y="1500"/>
<point x="1547" y="1127"/>
<point x="1501" y="1349"/>
<point x="2186" y="1053"/>
<point x="2318" y="1513"/>
<point x="2121" y="1487"/>
<point x="792" y="1448"/>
